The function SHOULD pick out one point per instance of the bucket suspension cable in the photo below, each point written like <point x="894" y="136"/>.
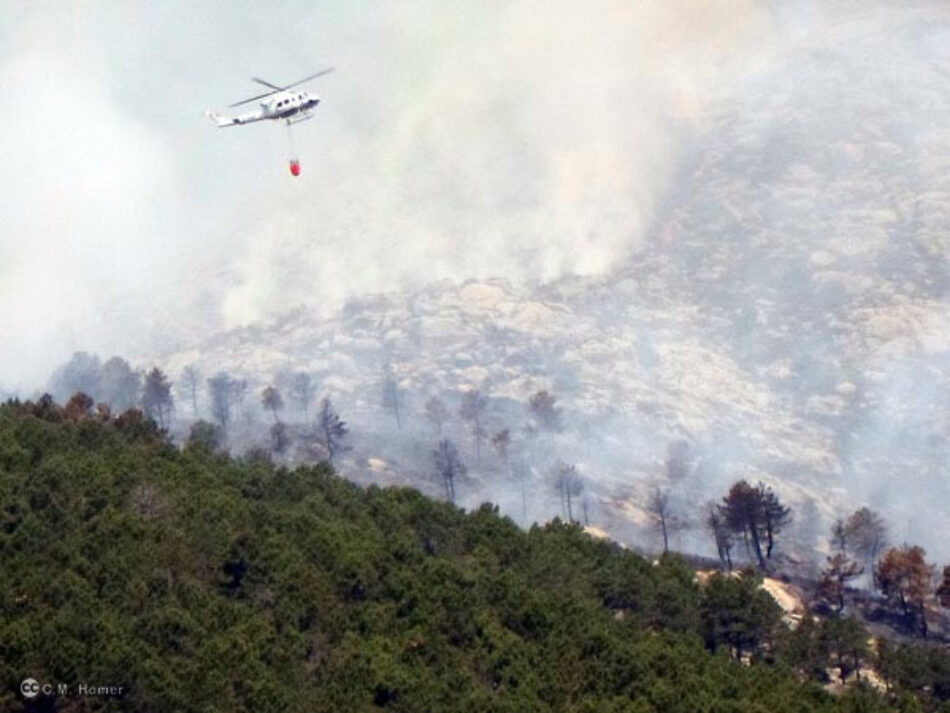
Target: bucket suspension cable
<point x="292" y="151"/>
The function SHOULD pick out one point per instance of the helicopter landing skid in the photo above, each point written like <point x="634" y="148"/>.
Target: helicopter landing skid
<point x="297" y="119"/>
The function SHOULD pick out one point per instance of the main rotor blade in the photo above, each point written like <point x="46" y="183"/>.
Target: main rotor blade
<point x="266" y="84"/>
<point x="276" y="89"/>
<point x="259" y="96"/>
<point x="312" y="76"/>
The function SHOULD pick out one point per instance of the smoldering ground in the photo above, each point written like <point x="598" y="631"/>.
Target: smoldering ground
<point x="783" y="161"/>
<point x="522" y="140"/>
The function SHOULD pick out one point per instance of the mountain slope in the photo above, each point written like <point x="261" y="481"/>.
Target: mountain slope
<point x="188" y="581"/>
<point x="787" y="319"/>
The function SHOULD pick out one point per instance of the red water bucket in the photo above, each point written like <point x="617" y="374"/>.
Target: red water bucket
<point x="295" y="167"/>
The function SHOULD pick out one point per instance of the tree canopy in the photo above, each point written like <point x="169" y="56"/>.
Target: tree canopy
<point x="757" y="514"/>
<point x="201" y="582"/>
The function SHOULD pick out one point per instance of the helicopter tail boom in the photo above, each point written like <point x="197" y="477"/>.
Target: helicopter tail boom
<point x="220" y="121"/>
<point x="225" y="121"/>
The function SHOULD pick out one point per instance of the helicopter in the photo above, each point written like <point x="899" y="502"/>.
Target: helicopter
<point x="279" y="104"/>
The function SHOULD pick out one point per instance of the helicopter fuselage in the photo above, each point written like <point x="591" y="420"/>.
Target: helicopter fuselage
<point x="292" y="106"/>
<point x="288" y="104"/>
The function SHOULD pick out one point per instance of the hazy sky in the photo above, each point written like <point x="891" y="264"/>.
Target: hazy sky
<point x="521" y="139"/>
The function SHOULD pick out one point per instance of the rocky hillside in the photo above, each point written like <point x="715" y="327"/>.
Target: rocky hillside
<point x="787" y="319"/>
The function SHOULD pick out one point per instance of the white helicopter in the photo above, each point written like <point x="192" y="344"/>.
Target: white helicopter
<point x="279" y="103"/>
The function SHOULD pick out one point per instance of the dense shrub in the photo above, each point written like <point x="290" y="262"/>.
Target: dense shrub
<point x="203" y="583"/>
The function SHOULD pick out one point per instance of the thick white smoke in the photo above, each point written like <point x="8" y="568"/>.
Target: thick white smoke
<point x="527" y="140"/>
<point x="524" y="140"/>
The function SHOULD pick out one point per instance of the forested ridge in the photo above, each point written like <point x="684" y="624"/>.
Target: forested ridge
<point x="201" y="582"/>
